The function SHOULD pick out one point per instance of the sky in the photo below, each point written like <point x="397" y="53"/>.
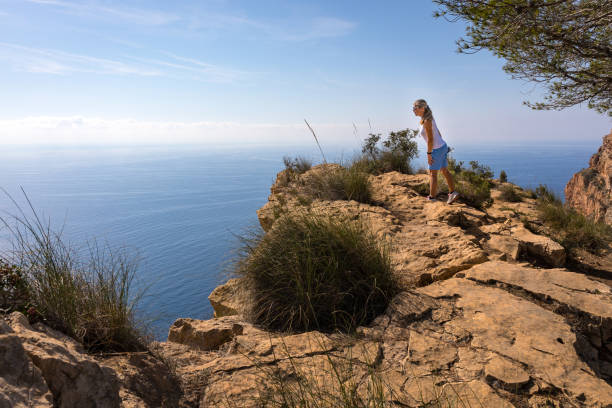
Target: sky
<point x="219" y="72"/>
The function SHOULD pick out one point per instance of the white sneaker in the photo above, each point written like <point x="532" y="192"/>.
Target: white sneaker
<point x="452" y="197"/>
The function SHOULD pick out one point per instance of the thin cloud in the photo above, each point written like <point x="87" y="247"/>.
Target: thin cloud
<point x="47" y="61"/>
<point x="78" y="130"/>
<point x="321" y="27"/>
<point x="37" y="60"/>
<point x="213" y="72"/>
<point x="137" y="16"/>
<point x="298" y="30"/>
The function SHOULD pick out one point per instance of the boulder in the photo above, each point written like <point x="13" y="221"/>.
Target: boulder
<point x="204" y="334"/>
<point x="228" y="299"/>
<point x="21" y="382"/>
<point x="74" y="378"/>
<point x="508" y="246"/>
<point x="544" y="248"/>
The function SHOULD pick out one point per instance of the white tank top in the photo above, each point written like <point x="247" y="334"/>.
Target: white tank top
<point x="437" y="137"/>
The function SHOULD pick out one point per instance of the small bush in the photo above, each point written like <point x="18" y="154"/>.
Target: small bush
<point x="508" y="193"/>
<point x="88" y="299"/>
<point x="14" y="290"/>
<point x="396" y="153"/>
<point x="570" y="228"/>
<point x="473" y="184"/>
<point x="297" y="165"/>
<point x="503" y="177"/>
<point x="314" y="272"/>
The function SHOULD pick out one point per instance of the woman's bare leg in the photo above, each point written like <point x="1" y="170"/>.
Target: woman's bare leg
<point x="433" y="182"/>
<point x="449" y="179"/>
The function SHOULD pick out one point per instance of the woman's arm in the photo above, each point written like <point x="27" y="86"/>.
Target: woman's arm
<point x="429" y="132"/>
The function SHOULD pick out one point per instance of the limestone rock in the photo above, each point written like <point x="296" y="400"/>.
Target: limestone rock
<point x="228" y="299"/>
<point x="540" y="246"/>
<point x="506" y="245"/>
<point x="145" y="380"/>
<point x="204" y="334"/>
<point x="589" y="190"/>
<point x="21" y="382"/>
<point x="510" y="374"/>
<point x="75" y="379"/>
<point x="473" y="394"/>
<point x="409" y="306"/>
<point x="512" y="327"/>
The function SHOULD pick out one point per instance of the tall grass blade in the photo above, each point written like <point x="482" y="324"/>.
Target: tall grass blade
<point x="316" y="140"/>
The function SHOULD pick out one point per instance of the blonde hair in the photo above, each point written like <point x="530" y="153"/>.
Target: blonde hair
<point x="427" y="115"/>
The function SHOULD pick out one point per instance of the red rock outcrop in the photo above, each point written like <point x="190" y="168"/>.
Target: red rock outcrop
<point x="590" y="190"/>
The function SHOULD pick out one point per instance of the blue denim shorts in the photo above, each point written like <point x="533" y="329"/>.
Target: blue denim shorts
<point x="439" y="158"/>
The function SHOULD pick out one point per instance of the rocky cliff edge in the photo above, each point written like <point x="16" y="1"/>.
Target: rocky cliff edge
<point x="489" y="316"/>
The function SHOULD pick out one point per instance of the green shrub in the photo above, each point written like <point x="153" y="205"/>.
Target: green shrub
<point x="545" y="195"/>
<point x="503" y="177"/>
<point x="86" y="297"/>
<point x="570" y="228"/>
<point x="396" y="153"/>
<point x="508" y="193"/>
<point x="315" y="272"/>
<point x="14" y="290"/>
<point x="473" y="184"/>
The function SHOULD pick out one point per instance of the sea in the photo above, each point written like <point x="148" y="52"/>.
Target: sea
<point x="180" y="210"/>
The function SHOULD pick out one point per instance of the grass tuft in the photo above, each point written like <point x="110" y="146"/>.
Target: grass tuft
<point x="340" y="184"/>
<point x="315" y="272"/>
<point x="87" y="296"/>
<point x="508" y="193"/>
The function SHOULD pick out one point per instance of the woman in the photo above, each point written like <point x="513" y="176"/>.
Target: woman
<point x="436" y="151"/>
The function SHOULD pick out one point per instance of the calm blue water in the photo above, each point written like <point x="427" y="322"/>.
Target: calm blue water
<point x="179" y="208"/>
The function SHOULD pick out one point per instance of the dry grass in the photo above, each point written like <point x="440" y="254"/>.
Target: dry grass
<point x="86" y="295"/>
<point x="316" y="272"/>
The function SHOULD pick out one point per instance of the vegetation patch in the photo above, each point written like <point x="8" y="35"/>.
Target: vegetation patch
<point x="395" y="154"/>
<point x="89" y="298"/>
<point x="568" y="227"/>
<point x="503" y="177"/>
<point x="293" y="168"/>
<point x="509" y="193"/>
<point x="472" y="183"/>
<point x="316" y="272"/>
<point x="340" y="184"/>
<point x="14" y="290"/>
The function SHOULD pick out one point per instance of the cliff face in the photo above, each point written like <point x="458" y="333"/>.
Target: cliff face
<point x="590" y="190"/>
